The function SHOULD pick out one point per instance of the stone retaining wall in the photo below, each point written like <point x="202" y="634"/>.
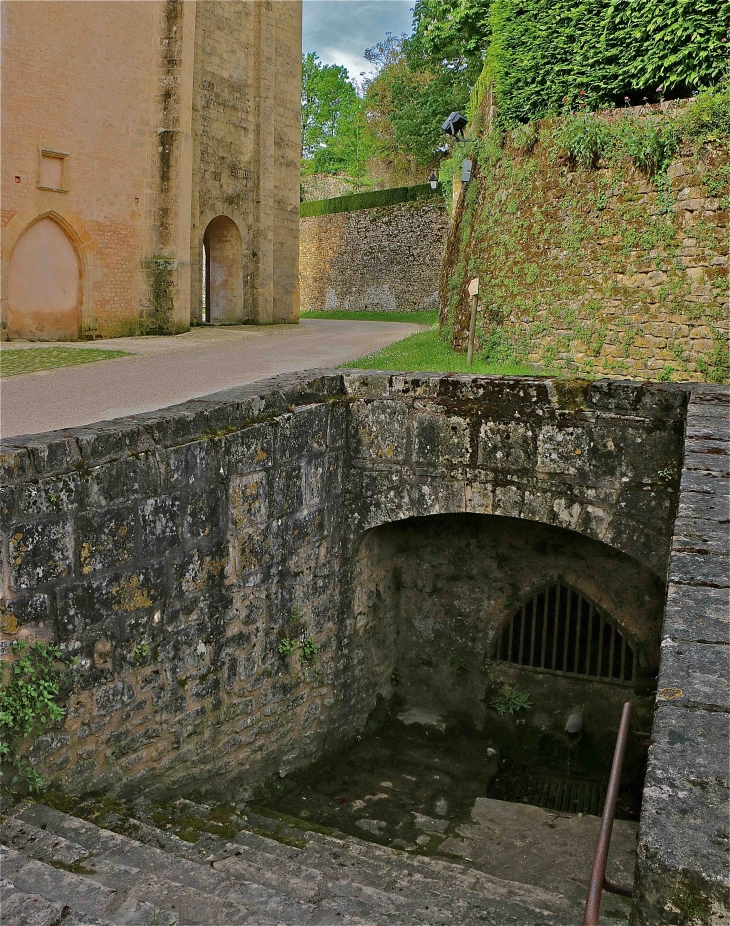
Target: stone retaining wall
<point x="169" y="550"/>
<point x="383" y="259"/>
<point x="172" y="552"/>
<point x="601" y="271"/>
<point x="682" y="868"/>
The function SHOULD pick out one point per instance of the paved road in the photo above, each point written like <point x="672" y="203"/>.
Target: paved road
<point x="169" y="370"/>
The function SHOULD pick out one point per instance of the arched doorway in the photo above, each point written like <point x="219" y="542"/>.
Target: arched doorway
<point x="222" y="273"/>
<point x="44" y="284"/>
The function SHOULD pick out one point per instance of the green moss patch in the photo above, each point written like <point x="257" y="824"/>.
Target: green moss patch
<point x="37" y="359"/>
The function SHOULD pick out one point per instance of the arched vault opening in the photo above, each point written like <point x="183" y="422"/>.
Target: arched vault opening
<point x="451" y="608"/>
<point x="222" y="272"/>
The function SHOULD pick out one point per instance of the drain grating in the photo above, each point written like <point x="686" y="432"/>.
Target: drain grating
<point x="571" y="796"/>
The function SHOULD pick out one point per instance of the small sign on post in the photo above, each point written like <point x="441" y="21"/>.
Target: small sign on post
<point x="473" y="299"/>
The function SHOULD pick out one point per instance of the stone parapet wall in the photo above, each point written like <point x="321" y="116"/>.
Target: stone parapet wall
<point x="682" y="871"/>
<point x="171" y="552"/>
<point x="381" y="259"/>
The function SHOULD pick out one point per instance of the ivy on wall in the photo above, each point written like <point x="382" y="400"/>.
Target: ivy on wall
<point x="585" y="264"/>
<point x="545" y="54"/>
<point x="30" y="695"/>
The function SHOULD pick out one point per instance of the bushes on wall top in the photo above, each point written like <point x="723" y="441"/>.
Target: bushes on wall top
<point x="545" y="55"/>
<point x="370" y="200"/>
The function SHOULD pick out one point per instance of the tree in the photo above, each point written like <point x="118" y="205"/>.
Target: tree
<point x="329" y="101"/>
<point x="407" y="102"/>
<point x="451" y="33"/>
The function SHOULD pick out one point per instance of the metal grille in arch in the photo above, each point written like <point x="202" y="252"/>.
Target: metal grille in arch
<point x="558" y="630"/>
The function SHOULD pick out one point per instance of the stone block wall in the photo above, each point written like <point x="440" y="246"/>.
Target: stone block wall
<point x="460" y="579"/>
<point x="602" y="271"/>
<point x="383" y="259"/>
<point x="682" y="870"/>
<point x="169" y="551"/>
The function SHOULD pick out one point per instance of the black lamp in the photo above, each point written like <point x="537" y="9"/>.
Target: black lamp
<point x="434" y="181"/>
<point x="455" y="125"/>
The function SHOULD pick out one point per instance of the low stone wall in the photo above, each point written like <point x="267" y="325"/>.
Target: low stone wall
<point x="169" y="550"/>
<point x="173" y="551"/>
<point x="682" y="869"/>
<point x="381" y="259"/>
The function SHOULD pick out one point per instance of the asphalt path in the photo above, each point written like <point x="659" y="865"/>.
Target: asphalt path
<point x="167" y="370"/>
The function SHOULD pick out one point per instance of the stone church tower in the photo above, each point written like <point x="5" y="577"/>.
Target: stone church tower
<point x="150" y="165"/>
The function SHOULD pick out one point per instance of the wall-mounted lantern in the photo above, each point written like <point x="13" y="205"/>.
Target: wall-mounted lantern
<point x="434" y="181"/>
<point x="455" y="125"/>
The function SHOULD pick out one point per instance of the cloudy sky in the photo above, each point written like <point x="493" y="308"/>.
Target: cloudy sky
<point x="340" y="30"/>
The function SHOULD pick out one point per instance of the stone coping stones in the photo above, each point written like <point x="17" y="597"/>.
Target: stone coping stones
<point x="682" y="866"/>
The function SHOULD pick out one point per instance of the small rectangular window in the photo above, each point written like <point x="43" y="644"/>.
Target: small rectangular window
<point x="52" y="173"/>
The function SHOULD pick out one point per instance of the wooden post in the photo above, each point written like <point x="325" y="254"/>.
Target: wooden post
<point x="473" y="299"/>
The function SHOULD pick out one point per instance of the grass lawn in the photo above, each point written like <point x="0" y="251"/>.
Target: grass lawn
<point x="426" y="352"/>
<point x="415" y="318"/>
<point x="33" y="359"/>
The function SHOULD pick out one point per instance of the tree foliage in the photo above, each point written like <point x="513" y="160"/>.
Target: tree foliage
<point x="407" y="102"/>
<point x="333" y="119"/>
<point x="545" y="54"/>
<point x="451" y="33"/>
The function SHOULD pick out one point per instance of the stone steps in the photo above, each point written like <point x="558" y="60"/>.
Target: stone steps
<point x="458" y="888"/>
<point x="146" y="876"/>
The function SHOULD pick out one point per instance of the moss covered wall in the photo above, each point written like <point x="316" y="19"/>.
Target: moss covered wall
<point x="604" y="271"/>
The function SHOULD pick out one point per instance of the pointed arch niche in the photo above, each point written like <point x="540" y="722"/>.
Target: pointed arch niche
<point x="44" y="284"/>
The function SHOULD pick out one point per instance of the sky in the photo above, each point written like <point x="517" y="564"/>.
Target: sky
<point x="340" y="30"/>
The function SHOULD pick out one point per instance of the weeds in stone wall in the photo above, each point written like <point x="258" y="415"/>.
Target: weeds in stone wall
<point x="159" y="272"/>
<point x="308" y="651"/>
<point x="294" y="636"/>
<point x="30" y="696"/>
<point x="287" y="646"/>
<point x="141" y="653"/>
<point x="715" y="366"/>
<point x="559" y="245"/>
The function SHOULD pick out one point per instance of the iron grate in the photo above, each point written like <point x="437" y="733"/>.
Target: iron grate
<point x="568" y="796"/>
<point x="561" y="631"/>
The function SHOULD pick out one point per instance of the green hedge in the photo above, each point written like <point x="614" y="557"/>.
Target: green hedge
<point x="370" y="200"/>
<point x="547" y="56"/>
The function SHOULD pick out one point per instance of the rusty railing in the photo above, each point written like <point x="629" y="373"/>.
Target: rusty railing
<point x="599" y="882"/>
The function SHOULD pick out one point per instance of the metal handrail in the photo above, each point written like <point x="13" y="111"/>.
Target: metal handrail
<point x="599" y="882"/>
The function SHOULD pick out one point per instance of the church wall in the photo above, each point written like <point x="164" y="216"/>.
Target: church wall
<point x="224" y="133"/>
<point x="246" y="147"/>
<point x="164" y="115"/>
<point x="91" y="100"/>
<point x="287" y="146"/>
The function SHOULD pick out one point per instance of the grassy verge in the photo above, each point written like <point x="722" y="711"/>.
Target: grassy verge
<point x="34" y="359"/>
<point x="415" y="318"/>
<point x="426" y="352"/>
